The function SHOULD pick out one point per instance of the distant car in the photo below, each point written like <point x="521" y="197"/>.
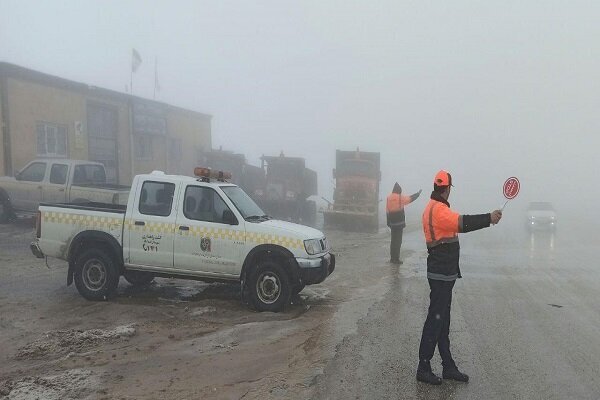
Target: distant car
<point x="541" y="216"/>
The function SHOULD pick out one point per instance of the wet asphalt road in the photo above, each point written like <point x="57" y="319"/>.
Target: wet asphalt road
<point x="525" y="324"/>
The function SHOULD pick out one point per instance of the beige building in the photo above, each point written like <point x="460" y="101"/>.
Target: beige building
<point x="46" y="116"/>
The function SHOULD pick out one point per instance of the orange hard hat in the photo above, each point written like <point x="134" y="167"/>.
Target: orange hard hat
<point x="443" y="178"/>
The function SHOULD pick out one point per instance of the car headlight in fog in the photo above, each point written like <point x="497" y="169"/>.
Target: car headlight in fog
<point x="312" y="246"/>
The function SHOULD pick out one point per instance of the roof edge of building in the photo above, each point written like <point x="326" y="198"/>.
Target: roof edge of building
<point x="16" y="71"/>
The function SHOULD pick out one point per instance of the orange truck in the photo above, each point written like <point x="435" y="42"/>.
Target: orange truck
<point x="356" y="195"/>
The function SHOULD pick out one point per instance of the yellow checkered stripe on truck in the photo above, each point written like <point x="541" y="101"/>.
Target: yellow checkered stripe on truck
<point x="163" y="227"/>
<point x="80" y="219"/>
<point x="151" y="226"/>
<point x="265" y="238"/>
<point x="232" y="234"/>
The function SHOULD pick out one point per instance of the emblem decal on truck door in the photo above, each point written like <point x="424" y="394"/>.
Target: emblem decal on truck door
<point x="205" y="244"/>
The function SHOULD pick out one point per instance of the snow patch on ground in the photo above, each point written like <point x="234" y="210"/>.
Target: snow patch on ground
<point x="72" y="384"/>
<point x="72" y="340"/>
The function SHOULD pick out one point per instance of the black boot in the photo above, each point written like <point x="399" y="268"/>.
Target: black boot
<point x="424" y="374"/>
<point x="454" y="374"/>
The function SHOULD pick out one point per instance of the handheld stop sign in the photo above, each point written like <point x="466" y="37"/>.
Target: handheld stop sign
<point x="511" y="189"/>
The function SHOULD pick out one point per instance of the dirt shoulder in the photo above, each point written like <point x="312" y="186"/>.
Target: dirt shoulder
<point x="176" y="339"/>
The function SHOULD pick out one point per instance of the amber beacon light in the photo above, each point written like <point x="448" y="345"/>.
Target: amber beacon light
<point x="207" y="173"/>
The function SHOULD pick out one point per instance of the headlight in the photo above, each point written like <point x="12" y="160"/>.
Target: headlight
<point x="290" y="195"/>
<point x="313" y="246"/>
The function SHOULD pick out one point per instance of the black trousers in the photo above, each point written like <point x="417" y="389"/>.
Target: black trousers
<point x="437" y="325"/>
<point x="396" y="242"/>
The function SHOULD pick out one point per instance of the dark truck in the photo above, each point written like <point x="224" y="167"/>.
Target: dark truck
<point x="289" y="184"/>
<point x="249" y="177"/>
<point x="356" y="195"/>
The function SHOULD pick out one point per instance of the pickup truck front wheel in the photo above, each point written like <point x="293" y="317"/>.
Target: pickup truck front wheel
<point x="96" y="275"/>
<point x="270" y="287"/>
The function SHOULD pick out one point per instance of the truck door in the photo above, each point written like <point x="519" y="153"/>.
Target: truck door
<point x="209" y="237"/>
<point x="54" y="191"/>
<point x="150" y="224"/>
<point x="27" y="194"/>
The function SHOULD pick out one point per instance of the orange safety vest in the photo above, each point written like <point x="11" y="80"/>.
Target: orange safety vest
<point x="396" y="202"/>
<point x="440" y="224"/>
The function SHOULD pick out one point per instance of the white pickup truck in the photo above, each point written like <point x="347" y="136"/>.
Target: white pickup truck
<point x="56" y="181"/>
<point x="199" y="228"/>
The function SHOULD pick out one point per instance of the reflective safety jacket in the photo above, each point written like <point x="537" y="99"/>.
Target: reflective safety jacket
<point x="394" y="208"/>
<point x="441" y="226"/>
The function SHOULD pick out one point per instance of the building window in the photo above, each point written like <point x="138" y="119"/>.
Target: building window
<point x="175" y="150"/>
<point x="143" y="148"/>
<point x="51" y="140"/>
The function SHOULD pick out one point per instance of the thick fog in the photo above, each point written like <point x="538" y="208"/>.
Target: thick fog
<point x="485" y="90"/>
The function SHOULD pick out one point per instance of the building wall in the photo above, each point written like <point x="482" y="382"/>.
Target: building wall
<point x="123" y="129"/>
<point x="2" y="170"/>
<point x="193" y="132"/>
<point x="32" y="102"/>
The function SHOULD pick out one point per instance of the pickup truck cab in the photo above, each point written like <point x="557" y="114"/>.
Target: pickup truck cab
<point x="199" y="228"/>
<point x="56" y="181"/>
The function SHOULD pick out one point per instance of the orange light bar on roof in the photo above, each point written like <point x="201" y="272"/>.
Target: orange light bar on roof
<point x="202" y="172"/>
<point x="210" y="174"/>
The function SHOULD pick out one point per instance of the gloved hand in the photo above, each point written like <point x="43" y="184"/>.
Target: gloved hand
<point x="495" y="216"/>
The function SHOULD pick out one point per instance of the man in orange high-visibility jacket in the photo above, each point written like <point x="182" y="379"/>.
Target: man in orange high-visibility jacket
<point x="441" y="226"/>
<point x="396" y="219"/>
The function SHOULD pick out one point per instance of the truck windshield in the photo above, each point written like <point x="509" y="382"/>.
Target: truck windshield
<point x="358" y="168"/>
<point x="246" y="206"/>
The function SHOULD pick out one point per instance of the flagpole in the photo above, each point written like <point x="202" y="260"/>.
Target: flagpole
<point x="155" y="75"/>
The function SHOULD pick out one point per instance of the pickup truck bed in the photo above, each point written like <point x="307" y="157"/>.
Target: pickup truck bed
<point x="66" y="221"/>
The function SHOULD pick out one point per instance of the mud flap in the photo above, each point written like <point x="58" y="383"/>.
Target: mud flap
<point x="70" y="273"/>
<point x="244" y="297"/>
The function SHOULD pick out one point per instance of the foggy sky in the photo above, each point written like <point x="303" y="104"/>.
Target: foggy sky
<point x="485" y="90"/>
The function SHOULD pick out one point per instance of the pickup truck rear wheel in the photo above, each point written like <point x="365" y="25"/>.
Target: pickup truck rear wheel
<point x="96" y="275"/>
<point x="5" y="209"/>
<point x="138" y="278"/>
<point x="270" y="287"/>
<point x="3" y="213"/>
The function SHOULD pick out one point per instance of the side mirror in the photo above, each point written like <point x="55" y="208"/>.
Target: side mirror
<point x="18" y="175"/>
<point x="229" y="218"/>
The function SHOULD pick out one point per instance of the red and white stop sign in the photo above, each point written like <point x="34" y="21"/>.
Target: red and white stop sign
<point x="511" y="188"/>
